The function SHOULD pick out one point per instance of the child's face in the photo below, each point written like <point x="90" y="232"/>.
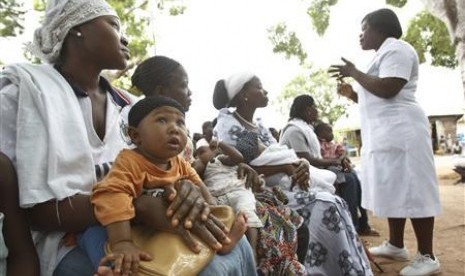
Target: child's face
<point x="161" y="135"/>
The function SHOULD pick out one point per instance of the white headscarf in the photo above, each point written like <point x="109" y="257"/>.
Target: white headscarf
<point x="236" y="82"/>
<point x="60" y="17"/>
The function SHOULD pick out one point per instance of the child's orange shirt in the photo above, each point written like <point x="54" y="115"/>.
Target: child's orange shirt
<point x="129" y="175"/>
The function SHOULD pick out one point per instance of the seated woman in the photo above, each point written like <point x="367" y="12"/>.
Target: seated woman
<point x="75" y="115"/>
<point x="299" y="134"/>
<point x="334" y="247"/>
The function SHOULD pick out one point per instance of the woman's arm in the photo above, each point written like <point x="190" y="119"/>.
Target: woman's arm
<point x="72" y="214"/>
<point x="299" y="171"/>
<point x="234" y="157"/>
<point x="382" y="87"/>
<point x="271" y="170"/>
<point x="319" y="162"/>
<point x="22" y="257"/>
<point x="182" y="203"/>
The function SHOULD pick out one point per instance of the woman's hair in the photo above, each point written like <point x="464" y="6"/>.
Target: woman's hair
<point x="384" y="21"/>
<point x="153" y="72"/>
<point x="220" y="95"/>
<point x="299" y="105"/>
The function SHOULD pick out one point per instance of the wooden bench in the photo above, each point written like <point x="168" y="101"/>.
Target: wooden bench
<point x="461" y="172"/>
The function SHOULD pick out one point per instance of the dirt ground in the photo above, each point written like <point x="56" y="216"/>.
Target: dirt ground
<point x="449" y="232"/>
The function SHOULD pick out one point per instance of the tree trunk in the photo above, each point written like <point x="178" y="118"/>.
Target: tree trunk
<point x="452" y="13"/>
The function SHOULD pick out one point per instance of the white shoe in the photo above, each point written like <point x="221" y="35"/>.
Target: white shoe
<point x="422" y="265"/>
<point x="389" y="251"/>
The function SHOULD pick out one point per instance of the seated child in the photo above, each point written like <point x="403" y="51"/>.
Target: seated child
<point x="157" y="129"/>
<point x="331" y="150"/>
<point x="221" y="163"/>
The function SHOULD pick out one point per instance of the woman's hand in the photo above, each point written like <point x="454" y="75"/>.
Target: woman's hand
<point x="301" y="174"/>
<point x="342" y="71"/>
<point x="252" y="179"/>
<point x="345" y="89"/>
<point x="128" y="257"/>
<point x="152" y="212"/>
<point x="186" y="203"/>
<point x="346" y="164"/>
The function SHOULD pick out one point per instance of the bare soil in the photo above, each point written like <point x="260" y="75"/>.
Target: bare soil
<point x="449" y="232"/>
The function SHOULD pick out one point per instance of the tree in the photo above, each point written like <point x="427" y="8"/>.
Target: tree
<point x="11" y="18"/>
<point x="286" y="42"/>
<point x="429" y="36"/>
<point x="318" y="84"/>
<point x="452" y="13"/>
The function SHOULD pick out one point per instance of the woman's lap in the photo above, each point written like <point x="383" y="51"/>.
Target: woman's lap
<point x="75" y="263"/>
<point x="240" y="261"/>
<point x="334" y="247"/>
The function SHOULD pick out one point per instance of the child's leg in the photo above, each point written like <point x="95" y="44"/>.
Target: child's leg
<point x="92" y="241"/>
<point x="235" y="233"/>
<point x="252" y="237"/>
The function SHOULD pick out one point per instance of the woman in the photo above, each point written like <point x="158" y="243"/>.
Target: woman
<point x="299" y="135"/>
<point x="73" y="113"/>
<point x="334" y="248"/>
<point x="163" y="76"/>
<point x="398" y="175"/>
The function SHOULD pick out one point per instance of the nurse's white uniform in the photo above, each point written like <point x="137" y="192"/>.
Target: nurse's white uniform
<point x="398" y="172"/>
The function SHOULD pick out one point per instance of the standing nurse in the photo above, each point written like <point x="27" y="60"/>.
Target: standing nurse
<point x="398" y="177"/>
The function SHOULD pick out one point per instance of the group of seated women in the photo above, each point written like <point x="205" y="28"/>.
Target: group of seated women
<point x="62" y="125"/>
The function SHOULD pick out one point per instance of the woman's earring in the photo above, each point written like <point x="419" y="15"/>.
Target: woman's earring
<point x="245" y="99"/>
<point x="78" y="34"/>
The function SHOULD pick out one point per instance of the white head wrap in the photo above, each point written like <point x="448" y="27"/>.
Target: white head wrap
<point x="60" y="17"/>
<point x="236" y="82"/>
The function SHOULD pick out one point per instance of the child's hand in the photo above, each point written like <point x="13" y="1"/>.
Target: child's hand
<point x="214" y="144"/>
<point x="106" y="265"/>
<point x="128" y="257"/>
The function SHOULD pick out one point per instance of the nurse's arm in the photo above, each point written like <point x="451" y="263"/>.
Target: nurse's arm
<point x="385" y="88"/>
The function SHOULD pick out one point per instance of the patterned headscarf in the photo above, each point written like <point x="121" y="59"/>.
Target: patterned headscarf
<point x="60" y="17"/>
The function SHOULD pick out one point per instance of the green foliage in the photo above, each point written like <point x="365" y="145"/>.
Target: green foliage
<point x="39" y="5"/>
<point x="286" y="42"/>
<point x="11" y="18"/>
<point x="323" y="89"/>
<point x="173" y="7"/>
<point x="396" y="3"/>
<point x="319" y="14"/>
<point x="177" y="10"/>
<point x="430" y="38"/>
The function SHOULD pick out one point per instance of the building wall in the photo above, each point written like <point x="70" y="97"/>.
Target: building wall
<point x="440" y="125"/>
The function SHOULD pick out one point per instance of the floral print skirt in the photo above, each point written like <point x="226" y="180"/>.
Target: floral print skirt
<point x="334" y="246"/>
